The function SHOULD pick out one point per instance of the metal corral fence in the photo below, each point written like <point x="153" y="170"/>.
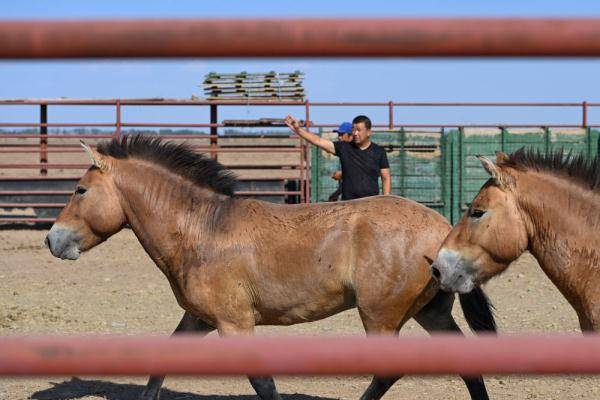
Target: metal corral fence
<point x="473" y="37"/>
<point x="439" y="168"/>
<point x="430" y="163"/>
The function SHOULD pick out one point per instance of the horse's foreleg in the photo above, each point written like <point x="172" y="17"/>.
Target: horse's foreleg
<point x="378" y="387"/>
<point x="436" y="316"/>
<point x="188" y="323"/>
<point x="263" y="385"/>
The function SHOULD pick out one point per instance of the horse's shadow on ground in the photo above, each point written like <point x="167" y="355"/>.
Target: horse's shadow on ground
<point x="79" y="388"/>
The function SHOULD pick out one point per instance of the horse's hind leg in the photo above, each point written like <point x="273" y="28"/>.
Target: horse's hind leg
<point x="188" y="323"/>
<point x="383" y="325"/>
<point x="263" y="385"/>
<point x="436" y="316"/>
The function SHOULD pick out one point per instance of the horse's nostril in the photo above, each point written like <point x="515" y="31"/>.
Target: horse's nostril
<point x="46" y="241"/>
<point x="436" y="272"/>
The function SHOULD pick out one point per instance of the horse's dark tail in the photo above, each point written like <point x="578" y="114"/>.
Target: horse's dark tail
<point x="478" y="310"/>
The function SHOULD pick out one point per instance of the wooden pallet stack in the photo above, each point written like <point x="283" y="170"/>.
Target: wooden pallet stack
<point x="276" y="86"/>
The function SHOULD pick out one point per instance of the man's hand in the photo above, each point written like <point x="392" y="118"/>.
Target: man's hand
<point x="337" y="175"/>
<point x="311" y="138"/>
<point x="292" y="123"/>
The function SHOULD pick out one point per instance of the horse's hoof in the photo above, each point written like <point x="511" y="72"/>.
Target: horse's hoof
<point x="149" y="396"/>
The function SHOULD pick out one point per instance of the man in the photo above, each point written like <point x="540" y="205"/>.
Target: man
<point x="363" y="161"/>
<point x="345" y="134"/>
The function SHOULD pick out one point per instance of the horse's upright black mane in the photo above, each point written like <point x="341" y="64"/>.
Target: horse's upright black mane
<point x="576" y="166"/>
<point x="178" y="158"/>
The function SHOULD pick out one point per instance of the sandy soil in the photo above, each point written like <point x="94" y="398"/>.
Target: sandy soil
<point x="115" y="288"/>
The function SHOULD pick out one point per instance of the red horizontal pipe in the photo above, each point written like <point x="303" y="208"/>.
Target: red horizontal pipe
<point x="34" y="150"/>
<point x="447" y="104"/>
<point x="39" y="205"/>
<point x="459" y="125"/>
<point x="151" y="102"/>
<point x="34" y="192"/>
<point x="461" y="37"/>
<point x="73" y="177"/>
<point x="28" y="220"/>
<point x="47" y="165"/>
<point x="39" y="178"/>
<point x="186" y="102"/>
<point x="267" y="193"/>
<point x="82" y="166"/>
<point x="65" y="124"/>
<point x="52" y="136"/>
<point x="312" y="125"/>
<point x="171" y="125"/>
<point x="298" y="356"/>
<point x="486" y="104"/>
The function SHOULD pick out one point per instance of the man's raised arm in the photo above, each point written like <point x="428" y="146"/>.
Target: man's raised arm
<point x="318" y="141"/>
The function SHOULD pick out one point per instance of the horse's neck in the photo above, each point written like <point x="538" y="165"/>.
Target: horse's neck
<point x="170" y="217"/>
<point x="563" y="219"/>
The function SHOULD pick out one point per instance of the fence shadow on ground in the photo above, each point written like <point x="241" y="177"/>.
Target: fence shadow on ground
<point x="77" y="388"/>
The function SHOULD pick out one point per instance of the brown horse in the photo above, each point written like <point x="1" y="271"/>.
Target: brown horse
<point x="236" y="263"/>
<point x="547" y="204"/>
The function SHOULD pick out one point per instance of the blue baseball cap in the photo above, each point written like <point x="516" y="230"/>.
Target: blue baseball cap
<point x="345" y="127"/>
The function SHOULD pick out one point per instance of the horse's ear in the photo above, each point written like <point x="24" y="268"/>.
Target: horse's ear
<point x="501" y="157"/>
<point x="97" y="159"/>
<point x="493" y="170"/>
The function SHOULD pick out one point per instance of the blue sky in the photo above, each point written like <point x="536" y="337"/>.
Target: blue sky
<point x="326" y="80"/>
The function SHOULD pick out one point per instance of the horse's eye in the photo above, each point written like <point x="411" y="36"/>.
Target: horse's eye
<point x="80" y="190"/>
<point x="476" y="213"/>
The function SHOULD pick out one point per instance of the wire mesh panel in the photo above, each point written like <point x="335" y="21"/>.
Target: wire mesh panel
<point x="416" y="166"/>
<point x="474" y="141"/>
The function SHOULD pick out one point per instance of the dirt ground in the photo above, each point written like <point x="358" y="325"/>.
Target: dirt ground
<point x="115" y="288"/>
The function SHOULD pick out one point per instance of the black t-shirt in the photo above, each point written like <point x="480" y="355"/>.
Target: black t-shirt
<point x="360" y="169"/>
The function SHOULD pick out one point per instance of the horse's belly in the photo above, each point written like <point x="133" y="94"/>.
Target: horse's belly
<point x="304" y="310"/>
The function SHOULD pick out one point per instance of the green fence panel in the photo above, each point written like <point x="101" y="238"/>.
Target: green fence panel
<point x="417" y="167"/>
<point x="487" y="141"/>
<point x="440" y="169"/>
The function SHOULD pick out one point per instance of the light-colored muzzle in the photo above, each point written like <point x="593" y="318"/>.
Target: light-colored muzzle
<point x="452" y="272"/>
<point x="63" y="243"/>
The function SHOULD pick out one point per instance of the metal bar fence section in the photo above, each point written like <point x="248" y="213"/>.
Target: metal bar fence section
<point x="400" y="37"/>
<point x="52" y="144"/>
<point x="262" y="356"/>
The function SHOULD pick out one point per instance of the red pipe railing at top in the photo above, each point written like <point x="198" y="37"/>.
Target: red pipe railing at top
<point x="45" y="147"/>
<point x="365" y="37"/>
<point x="262" y="356"/>
<point x="390" y="105"/>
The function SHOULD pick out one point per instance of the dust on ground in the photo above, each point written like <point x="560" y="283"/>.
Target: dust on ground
<point x="115" y="288"/>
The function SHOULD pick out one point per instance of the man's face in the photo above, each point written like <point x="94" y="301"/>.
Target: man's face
<point x="360" y="133"/>
<point x="345" y="137"/>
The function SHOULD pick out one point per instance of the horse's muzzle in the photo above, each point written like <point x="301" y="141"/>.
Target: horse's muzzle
<point x="63" y="243"/>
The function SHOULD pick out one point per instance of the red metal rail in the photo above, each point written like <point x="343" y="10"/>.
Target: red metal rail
<point x="50" y="144"/>
<point x="460" y="37"/>
<point x="260" y="356"/>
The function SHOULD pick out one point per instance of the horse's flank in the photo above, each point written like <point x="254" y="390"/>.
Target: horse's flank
<point x="278" y="264"/>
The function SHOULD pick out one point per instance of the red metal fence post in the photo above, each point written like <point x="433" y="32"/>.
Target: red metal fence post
<point x="304" y="159"/>
<point x="391" y="115"/>
<point x="213" y="131"/>
<point x="43" y="139"/>
<point x="118" y="127"/>
<point x="584" y="110"/>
